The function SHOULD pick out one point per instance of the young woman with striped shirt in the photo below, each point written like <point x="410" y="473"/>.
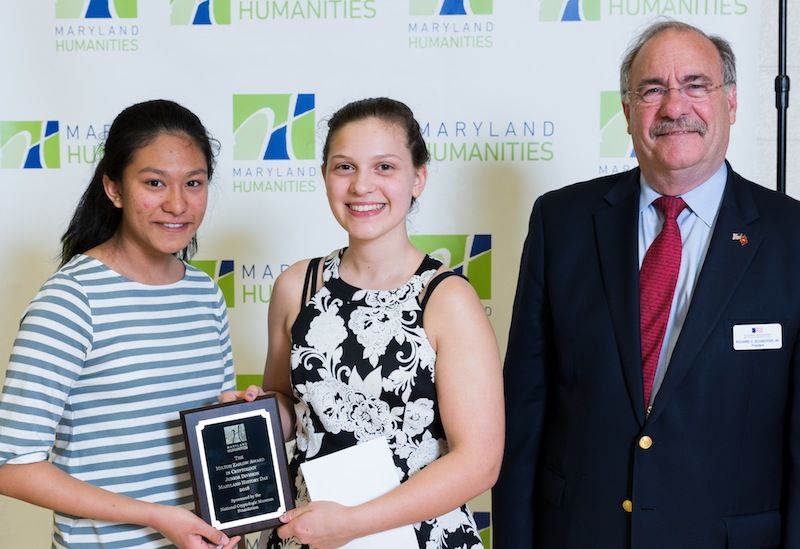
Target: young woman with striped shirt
<point x="119" y="340"/>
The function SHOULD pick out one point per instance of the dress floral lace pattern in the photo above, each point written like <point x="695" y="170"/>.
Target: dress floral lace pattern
<point x="362" y="367"/>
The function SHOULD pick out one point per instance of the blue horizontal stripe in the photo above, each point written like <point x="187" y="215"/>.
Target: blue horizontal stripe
<point x="35" y="379"/>
<point x="127" y="353"/>
<point x="104" y="281"/>
<point x="21" y="443"/>
<point x="144" y="411"/>
<point x="150" y="293"/>
<point x="86" y="436"/>
<point x="25" y="426"/>
<point x="114" y="448"/>
<point x="153" y="365"/>
<point x="211" y="370"/>
<point x="150" y="308"/>
<point x="58" y="335"/>
<point x="56" y="318"/>
<point x="140" y="399"/>
<point x="19" y="360"/>
<point x="143" y="461"/>
<point x="132" y="323"/>
<point x="155" y="336"/>
<point x="62" y="304"/>
<point x="67" y="285"/>
<point x="47" y="349"/>
<point x="27" y="410"/>
<point x="121" y="544"/>
<point x="84" y="264"/>
<point x="35" y="395"/>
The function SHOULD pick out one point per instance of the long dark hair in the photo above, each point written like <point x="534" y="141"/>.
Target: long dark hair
<point x="96" y="219"/>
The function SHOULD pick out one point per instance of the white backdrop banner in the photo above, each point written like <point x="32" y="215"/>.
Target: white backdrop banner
<point x="515" y="97"/>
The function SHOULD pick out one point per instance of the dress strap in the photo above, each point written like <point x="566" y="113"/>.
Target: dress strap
<point x="310" y="281"/>
<point x="435" y="282"/>
<point x="428" y="264"/>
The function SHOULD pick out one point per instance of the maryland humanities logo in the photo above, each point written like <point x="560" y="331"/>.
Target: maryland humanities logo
<point x="235" y="437"/>
<point x="255" y="279"/>
<point x="467" y="254"/>
<point x="96" y="9"/>
<point x="434" y="24"/>
<point x="51" y="144"/>
<point x="450" y="7"/>
<point x="221" y="272"/>
<point x="96" y="25"/>
<point x="593" y="10"/>
<point x="273" y="126"/>
<point x="30" y="145"/>
<point x="476" y="140"/>
<point x="274" y="134"/>
<point x="200" y="12"/>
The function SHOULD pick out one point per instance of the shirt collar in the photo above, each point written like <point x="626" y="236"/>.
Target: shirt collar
<point x="703" y="200"/>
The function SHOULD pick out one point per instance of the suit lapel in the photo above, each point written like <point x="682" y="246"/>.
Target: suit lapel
<point x="617" y="243"/>
<point x="723" y="268"/>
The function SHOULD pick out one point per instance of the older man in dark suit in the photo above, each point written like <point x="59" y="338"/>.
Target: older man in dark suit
<point x="652" y="378"/>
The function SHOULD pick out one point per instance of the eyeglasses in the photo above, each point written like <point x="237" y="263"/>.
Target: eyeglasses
<point x="693" y="92"/>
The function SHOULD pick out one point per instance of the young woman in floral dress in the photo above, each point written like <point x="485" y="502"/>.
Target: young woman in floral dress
<point x="380" y="340"/>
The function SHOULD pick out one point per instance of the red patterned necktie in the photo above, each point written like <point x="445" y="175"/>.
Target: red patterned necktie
<point x="657" y="279"/>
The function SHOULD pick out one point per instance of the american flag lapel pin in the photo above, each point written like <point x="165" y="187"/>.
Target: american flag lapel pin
<point x="739" y="237"/>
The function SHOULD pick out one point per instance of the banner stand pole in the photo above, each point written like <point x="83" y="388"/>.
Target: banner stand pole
<point x="781" y="97"/>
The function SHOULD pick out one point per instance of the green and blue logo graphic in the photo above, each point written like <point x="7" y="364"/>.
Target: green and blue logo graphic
<point x="96" y="9"/>
<point x="466" y="254"/>
<point x="569" y="10"/>
<point x="450" y="7"/>
<point x="483" y="520"/>
<point x="273" y="126"/>
<point x="200" y="12"/>
<point x="221" y="272"/>
<point x="30" y="145"/>
<point x="614" y="139"/>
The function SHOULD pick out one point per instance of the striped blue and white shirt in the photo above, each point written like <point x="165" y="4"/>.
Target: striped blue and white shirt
<point x="98" y="373"/>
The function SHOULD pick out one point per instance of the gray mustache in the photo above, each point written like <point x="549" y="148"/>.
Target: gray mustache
<point x="663" y="127"/>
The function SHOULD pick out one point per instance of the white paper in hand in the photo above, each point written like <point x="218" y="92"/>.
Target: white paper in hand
<point x="355" y="475"/>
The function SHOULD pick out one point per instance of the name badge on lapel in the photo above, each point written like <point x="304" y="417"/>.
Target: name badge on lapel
<point x="757" y="337"/>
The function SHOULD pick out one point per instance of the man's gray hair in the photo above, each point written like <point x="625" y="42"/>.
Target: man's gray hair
<point x="727" y="58"/>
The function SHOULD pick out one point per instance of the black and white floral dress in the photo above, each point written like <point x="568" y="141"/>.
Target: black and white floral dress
<point x="362" y="367"/>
